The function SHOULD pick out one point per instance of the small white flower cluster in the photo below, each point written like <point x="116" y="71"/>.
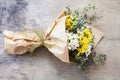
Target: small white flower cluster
<point x="73" y="41"/>
<point x="88" y="51"/>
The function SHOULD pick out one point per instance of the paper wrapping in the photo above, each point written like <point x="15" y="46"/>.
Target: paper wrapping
<point x="20" y="42"/>
<point x="55" y="37"/>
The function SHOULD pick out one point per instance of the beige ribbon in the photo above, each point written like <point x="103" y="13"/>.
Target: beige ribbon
<point x="55" y="37"/>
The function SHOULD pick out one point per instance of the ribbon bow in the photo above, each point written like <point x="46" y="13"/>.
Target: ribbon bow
<point x="55" y="40"/>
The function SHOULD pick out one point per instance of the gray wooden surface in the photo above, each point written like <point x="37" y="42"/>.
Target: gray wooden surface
<point x="42" y="65"/>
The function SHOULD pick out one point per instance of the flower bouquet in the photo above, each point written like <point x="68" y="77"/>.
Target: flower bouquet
<point x="70" y="38"/>
<point x="80" y="37"/>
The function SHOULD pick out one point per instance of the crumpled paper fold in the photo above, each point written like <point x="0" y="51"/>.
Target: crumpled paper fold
<point x="22" y="42"/>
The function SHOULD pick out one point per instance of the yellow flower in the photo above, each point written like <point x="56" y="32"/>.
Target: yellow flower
<point x="88" y="34"/>
<point x="84" y="45"/>
<point x="85" y="41"/>
<point x="70" y="22"/>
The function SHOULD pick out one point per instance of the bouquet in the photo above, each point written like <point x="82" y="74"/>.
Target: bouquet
<point x="80" y="37"/>
<point x="70" y="38"/>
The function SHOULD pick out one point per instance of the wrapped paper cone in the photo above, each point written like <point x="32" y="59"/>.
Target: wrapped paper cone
<point x="55" y="37"/>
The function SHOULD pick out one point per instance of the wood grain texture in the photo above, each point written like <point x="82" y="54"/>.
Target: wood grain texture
<point x="42" y="65"/>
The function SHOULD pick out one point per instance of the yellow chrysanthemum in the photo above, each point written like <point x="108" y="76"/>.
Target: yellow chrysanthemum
<point x="88" y="34"/>
<point x="84" y="44"/>
<point x="85" y="41"/>
<point x="70" y="22"/>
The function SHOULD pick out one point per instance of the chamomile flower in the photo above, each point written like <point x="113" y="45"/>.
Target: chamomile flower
<point x="73" y="41"/>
